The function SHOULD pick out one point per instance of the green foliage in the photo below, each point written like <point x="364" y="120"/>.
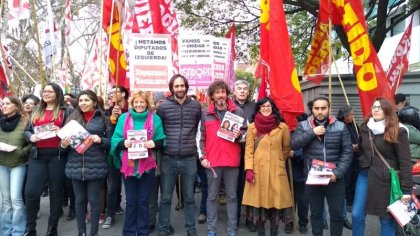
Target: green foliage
<point x="248" y="76"/>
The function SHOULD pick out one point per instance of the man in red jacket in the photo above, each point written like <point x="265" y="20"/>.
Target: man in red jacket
<point x="219" y="156"/>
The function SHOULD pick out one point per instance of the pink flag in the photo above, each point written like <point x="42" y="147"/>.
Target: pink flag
<point x="399" y="62"/>
<point x="231" y="78"/>
<point x="18" y="10"/>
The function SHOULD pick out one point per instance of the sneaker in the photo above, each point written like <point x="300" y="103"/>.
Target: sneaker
<point x="202" y="218"/>
<point x="303" y="229"/>
<point x="288" y="229"/>
<point x="222" y="200"/>
<point x="101" y="218"/>
<point x="109" y="221"/>
<point x="119" y="211"/>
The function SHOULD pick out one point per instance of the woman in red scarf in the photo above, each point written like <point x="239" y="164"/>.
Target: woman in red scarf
<point x="267" y="193"/>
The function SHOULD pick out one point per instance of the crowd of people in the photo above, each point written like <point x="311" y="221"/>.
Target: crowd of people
<point x="261" y="171"/>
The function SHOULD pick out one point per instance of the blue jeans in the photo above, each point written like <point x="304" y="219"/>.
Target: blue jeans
<point x="359" y="204"/>
<point x="137" y="207"/>
<point x="387" y="226"/>
<point x="170" y="168"/>
<point x="13" y="215"/>
<point x="201" y="172"/>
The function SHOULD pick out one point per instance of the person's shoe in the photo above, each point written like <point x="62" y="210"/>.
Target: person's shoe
<point x="45" y="194"/>
<point x="30" y="232"/>
<point x="152" y="227"/>
<point x="101" y="218"/>
<point x="119" y="211"/>
<point x="325" y="224"/>
<point x="288" y="229"/>
<point x="250" y="226"/>
<point x="109" y="221"/>
<point x="222" y="200"/>
<point x="202" y="218"/>
<point x="347" y="224"/>
<point x="192" y="233"/>
<point x="211" y="233"/>
<point x="171" y="230"/>
<point x="179" y="206"/>
<point x="71" y="215"/>
<point x="52" y="231"/>
<point x="303" y="229"/>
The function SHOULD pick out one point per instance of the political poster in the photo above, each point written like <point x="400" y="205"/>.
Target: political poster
<point x="195" y="59"/>
<point x="150" y="62"/>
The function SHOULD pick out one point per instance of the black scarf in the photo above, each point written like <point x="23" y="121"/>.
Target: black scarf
<point x="8" y="124"/>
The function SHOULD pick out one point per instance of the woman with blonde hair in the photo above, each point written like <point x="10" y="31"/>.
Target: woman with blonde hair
<point x="138" y="172"/>
<point x="13" y="164"/>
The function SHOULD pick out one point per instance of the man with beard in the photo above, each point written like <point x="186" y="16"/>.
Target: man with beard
<point x="324" y="138"/>
<point x="219" y="156"/>
<point x="180" y="117"/>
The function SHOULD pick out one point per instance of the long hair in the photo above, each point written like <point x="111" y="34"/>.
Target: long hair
<point x="217" y="84"/>
<point x="391" y="120"/>
<point x="39" y="113"/>
<point x="20" y="110"/>
<point x="77" y="114"/>
<point x="275" y="111"/>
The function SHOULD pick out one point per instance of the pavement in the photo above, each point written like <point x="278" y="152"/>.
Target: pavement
<point x="69" y="228"/>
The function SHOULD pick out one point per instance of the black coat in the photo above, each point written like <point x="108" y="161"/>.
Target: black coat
<point x="398" y="157"/>
<point x="180" y="124"/>
<point x="91" y="165"/>
<point x="336" y="141"/>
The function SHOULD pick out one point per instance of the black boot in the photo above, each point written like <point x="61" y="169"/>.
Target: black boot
<point x="260" y="228"/>
<point x="52" y="231"/>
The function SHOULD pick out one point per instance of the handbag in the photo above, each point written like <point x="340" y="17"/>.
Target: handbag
<point x="395" y="193"/>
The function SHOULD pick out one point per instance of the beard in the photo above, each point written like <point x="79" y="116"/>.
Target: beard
<point x="221" y="102"/>
<point x="180" y="95"/>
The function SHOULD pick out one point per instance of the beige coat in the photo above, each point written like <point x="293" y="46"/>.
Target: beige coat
<point x="271" y="188"/>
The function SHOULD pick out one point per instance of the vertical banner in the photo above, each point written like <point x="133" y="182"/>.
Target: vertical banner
<point x="221" y="50"/>
<point x="195" y="60"/>
<point x="150" y="62"/>
<point x="231" y="77"/>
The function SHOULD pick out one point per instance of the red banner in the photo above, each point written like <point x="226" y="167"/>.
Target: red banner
<point x="158" y="17"/>
<point x="399" y="62"/>
<point x="231" y="78"/>
<point x="263" y="69"/>
<point x="283" y="78"/>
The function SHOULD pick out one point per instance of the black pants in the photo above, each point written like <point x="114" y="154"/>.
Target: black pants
<point x="113" y="195"/>
<point x="350" y="179"/>
<point x="87" y="191"/>
<point x="69" y="194"/>
<point x="301" y="202"/>
<point x="241" y="184"/>
<point x="334" y="193"/>
<point x="47" y="168"/>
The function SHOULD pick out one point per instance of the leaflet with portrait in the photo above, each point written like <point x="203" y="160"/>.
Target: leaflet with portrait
<point x="138" y="138"/>
<point x="80" y="138"/>
<point x="230" y="123"/>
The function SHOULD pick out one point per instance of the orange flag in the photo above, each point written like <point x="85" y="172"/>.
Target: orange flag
<point x="117" y="61"/>
<point x="283" y="81"/>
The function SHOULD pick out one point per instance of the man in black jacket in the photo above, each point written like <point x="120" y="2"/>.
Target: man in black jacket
<point x="180" y="117"/>
<point x="324" y="138"/>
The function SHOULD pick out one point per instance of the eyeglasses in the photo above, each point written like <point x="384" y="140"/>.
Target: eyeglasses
<point x="266" y="106"/>
<point x="376" y="107"/>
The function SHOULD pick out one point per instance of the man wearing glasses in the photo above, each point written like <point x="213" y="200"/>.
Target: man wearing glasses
<point x="322" y="137"/>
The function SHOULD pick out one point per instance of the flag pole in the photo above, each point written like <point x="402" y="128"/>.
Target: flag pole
<point x="329" y="62"/>
<point x="109" y="42"/>
<point x="399" y="78"/>
<point x="35" y="19"/>
<point x="100" y="50"/>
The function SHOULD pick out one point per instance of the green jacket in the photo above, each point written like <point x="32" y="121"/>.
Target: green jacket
<point x="20" y="155"/>
<point x="414" y="139"/>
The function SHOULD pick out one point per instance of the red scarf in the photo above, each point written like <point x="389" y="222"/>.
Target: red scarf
<point x="265" y="124"/>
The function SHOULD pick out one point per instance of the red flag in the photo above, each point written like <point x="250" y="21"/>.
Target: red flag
<point x="399" y="62"/>
<point x="117" y="61"/>
<point x="231" y="78"/>
<point x="283" y="79"/>
<point x="4" y="85"/>
<point x="158" y="17"/>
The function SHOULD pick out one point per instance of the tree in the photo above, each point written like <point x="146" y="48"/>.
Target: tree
<point x="214" y="17"/>
<point x="248" y="76"/>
